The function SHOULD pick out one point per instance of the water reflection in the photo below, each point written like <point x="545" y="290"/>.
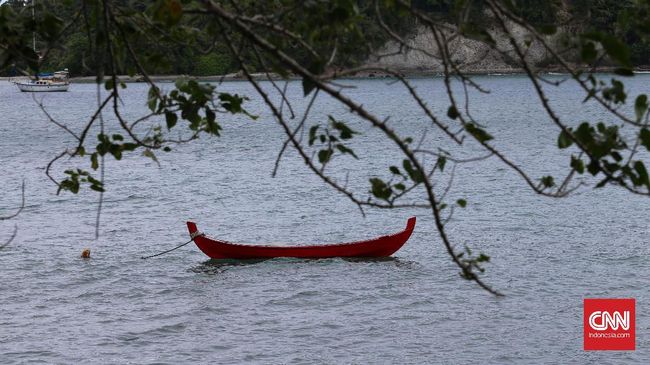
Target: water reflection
<point x="395" y="261"/>
<point x="217" y="266"/>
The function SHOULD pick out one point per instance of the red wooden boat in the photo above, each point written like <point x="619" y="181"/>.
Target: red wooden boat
<point x="377" y="247"/>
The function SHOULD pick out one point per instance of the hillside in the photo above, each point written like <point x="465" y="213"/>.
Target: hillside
<point x="79" y="53"/>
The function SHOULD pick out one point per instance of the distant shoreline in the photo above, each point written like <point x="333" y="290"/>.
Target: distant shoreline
<point x="360" y="75"/>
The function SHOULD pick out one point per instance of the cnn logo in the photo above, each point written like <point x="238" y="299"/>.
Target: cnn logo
<point x="609" y="324"/>
<point x="602" y="321"/>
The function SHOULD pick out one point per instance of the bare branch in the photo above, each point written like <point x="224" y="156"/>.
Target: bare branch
<point x="22" y="205"/>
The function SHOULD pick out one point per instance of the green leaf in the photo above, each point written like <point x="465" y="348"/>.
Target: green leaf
<point x="483" y="258"/>
<point x="129" y="146"/>
<point x="307" y="86"/>
<point x="230" y="102"/>
<point x="152" y="98"/>
<point x="461" y="202"/>
<point x="93" y="161"/>
<point x="380" y="189"/>
<point x="452" y="112"/>
<point x="442" y="161"/>
<point x="640" y="106"/>
<point x="593" y="167"/>
<point x="643" y="174"/>
<point x="312" y="134"/>
<point x="564" y="140"/>
<point x="171" y="118"/>
<point x="395" y="170"/>
<point x="400" y="186"/>
<point x="577" y="164"/>
<point x="315" y="67"/>
<point x="584" y="133"/>
<point x="616" y="92"/>
<point x="324" y="155"/>
<point x="97" y="188"/>
<point x="416" y="176"/>
<point x="345" y="150"/>
<point x="346" y="132"/>
<point x="478" y="133"/>
<point x="602" y="183"/>
<point x="116" y="151"/>
<point x="548" y="181"/>
<point x="644" y="136"/>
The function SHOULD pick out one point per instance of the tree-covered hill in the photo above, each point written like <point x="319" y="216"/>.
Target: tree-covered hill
<point x="73" y="49"/>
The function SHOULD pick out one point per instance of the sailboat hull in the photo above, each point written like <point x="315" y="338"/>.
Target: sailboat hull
<point x="30" y="87"/>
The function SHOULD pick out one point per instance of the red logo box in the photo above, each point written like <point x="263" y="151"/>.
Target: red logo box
<point x="609" y="324"/>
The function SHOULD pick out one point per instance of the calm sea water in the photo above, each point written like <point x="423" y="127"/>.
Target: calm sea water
<point x="547" y="254"/>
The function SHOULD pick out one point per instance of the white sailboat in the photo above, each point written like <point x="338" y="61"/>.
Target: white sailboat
<point x="58" y="81"/>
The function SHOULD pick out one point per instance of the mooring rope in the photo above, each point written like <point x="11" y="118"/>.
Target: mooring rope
<point x="192" y="237"/>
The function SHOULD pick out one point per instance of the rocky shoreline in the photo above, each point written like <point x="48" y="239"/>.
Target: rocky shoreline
<point x="410" y="73"/>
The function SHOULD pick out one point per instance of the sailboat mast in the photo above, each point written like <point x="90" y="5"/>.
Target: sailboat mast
<point x="33" y="33"/>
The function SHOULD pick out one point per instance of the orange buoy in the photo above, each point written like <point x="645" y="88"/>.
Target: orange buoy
<point x="85" y="254"/>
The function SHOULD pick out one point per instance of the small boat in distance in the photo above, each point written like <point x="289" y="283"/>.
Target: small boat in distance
<point x="57" y="81"/>
<point x="376" y="247"/>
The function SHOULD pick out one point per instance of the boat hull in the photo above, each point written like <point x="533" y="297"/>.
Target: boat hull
<point x="28" y="87"/>
<point x="377" y="247"/>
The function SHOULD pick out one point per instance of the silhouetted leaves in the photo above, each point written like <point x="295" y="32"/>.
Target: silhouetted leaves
<point x="564" y="140"/>
<point x="171" y="118"/>
<point x="324" y="155"/>
<point x="415" y="174"/>
<point x="471" y="263"/>
<point x="578" y="165"/>
<point x="479" y="133"/>
<point x="77" y="177"/>
<point x="452" y="112"/>
<point x="640" y="106"/>
<point x="380" y="189"/>
<point x="441" y="162"/>
<point x="612" y="46"/>
<point x="332" y="142"/>
<point x="548" y="181"/>
<point x="644" y="136"/>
